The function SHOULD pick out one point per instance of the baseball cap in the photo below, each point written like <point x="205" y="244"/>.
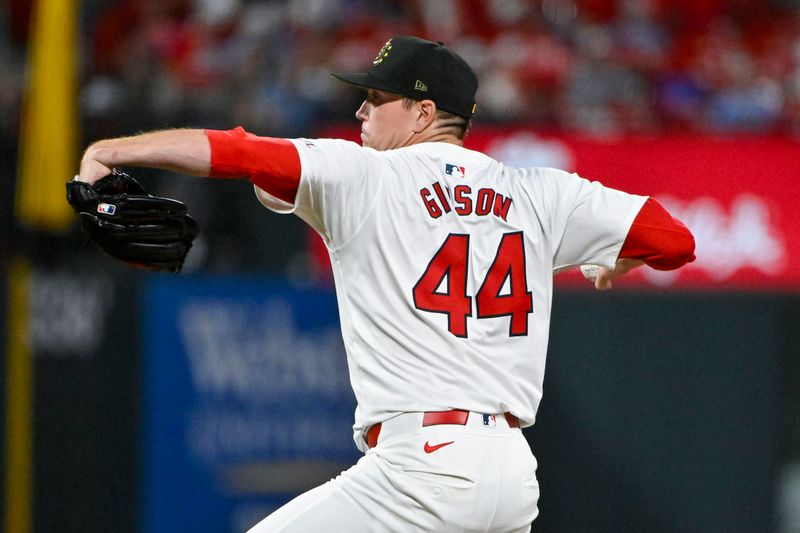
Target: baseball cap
<point x="422" y="70"/>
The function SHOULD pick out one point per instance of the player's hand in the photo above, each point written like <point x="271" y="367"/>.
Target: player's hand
<point x="603" y="276"/>
<point x="132" y="225"/>
<point x="92" y="170"/>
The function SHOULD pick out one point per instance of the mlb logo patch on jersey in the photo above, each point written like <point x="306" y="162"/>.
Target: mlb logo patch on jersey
<point x="490" y="420"/>
<point x="454" y="170"/>
<point x="106" y="209"/>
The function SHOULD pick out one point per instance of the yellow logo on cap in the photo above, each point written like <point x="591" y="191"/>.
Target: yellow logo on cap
<point x="419" y="86"/>
<point x="384" y="53"/>
<point x="474" y="107"/>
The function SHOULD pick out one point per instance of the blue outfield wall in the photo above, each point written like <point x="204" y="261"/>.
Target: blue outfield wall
<point x="662" y="411"/>
<point x="246" y="400"/>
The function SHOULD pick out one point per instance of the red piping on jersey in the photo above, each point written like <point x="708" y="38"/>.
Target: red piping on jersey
<point x="660" y="240"/>
<point x="269" y="163"/>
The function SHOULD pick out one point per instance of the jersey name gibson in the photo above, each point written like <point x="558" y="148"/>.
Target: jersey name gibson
<point x="483" y="202"/>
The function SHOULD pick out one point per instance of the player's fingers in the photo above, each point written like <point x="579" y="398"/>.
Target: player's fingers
<point x="602" y="284"/>
<point x="602" y="281"/>
<point x="92" y="170"/>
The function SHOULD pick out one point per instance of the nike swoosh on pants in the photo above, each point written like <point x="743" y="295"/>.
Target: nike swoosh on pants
<point x="431" y="449"/>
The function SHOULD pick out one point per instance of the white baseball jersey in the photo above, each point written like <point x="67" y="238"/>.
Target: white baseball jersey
<point x="443" y="261"/>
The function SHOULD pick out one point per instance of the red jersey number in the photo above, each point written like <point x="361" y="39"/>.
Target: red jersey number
<point x="509" y="264"/>
<point x="449" y="262"/>
<point x="433" y="294"/>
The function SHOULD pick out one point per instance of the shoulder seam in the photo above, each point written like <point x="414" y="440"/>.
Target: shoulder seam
<point x="368" y="211"/>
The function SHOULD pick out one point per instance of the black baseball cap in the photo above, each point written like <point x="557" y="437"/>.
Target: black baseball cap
<point x="422" y="70"/>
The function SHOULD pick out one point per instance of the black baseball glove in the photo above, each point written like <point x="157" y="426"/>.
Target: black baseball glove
<point x="132" y="225"/>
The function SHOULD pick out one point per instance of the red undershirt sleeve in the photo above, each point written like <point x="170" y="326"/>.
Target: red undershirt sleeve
<point x="657" y="238"/>
<point x="269" y="163"/>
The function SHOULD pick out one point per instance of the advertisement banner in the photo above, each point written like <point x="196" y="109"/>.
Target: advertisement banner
<point x="738" y="196"/>
<point x="247" y="400"/>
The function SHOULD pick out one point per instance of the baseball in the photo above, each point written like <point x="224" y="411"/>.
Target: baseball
<point x="590" y="271"/>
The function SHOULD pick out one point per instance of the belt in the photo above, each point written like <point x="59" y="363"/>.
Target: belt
<point x="455" y="417"/>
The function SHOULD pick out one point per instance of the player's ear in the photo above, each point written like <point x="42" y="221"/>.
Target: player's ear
<point x="426" y="114"/>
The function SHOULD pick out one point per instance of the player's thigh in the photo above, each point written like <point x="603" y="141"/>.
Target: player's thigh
<point x="519" y="489"/>
<point x="360" y="499"/>
<point x="325" y="508"/>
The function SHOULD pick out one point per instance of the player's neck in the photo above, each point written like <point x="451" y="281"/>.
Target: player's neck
<point x="428" y="136"/>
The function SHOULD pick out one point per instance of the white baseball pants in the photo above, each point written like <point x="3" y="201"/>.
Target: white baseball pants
<point x="444" y="478"/>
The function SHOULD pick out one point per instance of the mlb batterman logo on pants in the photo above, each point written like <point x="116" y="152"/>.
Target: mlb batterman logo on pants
<point x="443" y="260"/>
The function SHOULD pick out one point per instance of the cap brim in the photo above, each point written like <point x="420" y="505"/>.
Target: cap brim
<point x="364" y="80"/>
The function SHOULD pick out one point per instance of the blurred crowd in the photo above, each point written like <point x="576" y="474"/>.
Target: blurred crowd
<point x="601" y="67"/>
<point x="597" y="66"/>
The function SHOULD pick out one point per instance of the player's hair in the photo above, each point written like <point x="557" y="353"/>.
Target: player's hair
<point x="455" y="124"/>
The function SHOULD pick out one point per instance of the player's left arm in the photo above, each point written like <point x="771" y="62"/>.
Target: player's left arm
<point x="185" y="151"/>
<point x="329" y="183"/>
<point x="272" y="164"/>
<point x="656" y="239"/>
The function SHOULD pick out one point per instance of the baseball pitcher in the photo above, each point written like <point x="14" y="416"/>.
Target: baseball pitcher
<point x="443" y="260"/>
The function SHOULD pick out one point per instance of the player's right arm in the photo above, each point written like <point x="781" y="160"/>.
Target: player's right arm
<point x="656" y="239"/>
<point x="614" y="230"/>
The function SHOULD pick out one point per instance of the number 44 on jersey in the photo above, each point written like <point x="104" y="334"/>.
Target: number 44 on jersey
<point x="451" y="261"/>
